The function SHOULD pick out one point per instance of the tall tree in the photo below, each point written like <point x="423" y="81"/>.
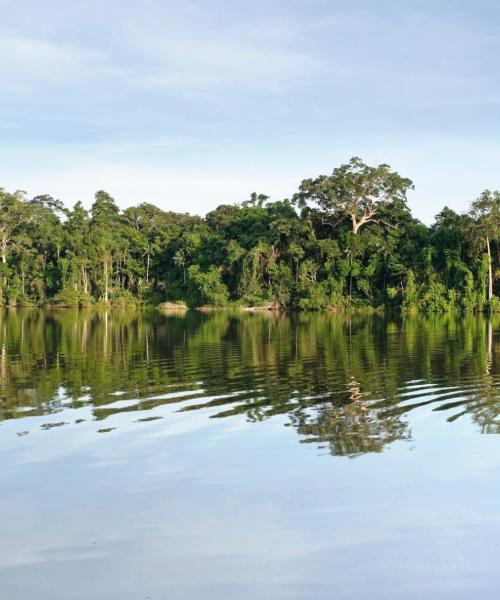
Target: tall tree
<point x="355" y="191"/>
<point x="486" y="212"/>
<point x="14" y="213"/>
<point x="103" y="233"/>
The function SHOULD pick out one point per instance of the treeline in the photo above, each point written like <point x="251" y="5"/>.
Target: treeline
<point x="347" y="239"/>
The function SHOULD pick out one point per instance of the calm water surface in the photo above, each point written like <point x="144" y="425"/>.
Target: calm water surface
<point x="209" y="456"/>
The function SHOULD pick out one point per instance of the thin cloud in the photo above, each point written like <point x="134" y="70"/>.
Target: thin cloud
<point x="26" y="61"/>
<point x="211" y="65"/>
<point x="298" y="84"/>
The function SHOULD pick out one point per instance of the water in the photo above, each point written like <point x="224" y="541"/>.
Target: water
<point x="219" y="455"/>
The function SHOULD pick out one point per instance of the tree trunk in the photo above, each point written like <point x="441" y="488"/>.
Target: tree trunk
<point x="85" y="281"/>
<point x="147" y="269"/>
<point x="106" y="277"/>
<point x="490" y="270"/>
<point x="3" y="250"/>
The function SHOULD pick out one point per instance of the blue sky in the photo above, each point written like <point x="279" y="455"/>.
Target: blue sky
<point x="196" y="103"/>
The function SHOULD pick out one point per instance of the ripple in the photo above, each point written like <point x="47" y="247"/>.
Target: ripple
<point x="351" y="389"/>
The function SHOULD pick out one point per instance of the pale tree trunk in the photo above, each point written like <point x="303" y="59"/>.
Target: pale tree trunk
<point x="85" y="282"/>
<point x="350" y="277"/>
<point x="106" y="277"/>
<point x="490" y="270"/>
<point x="3" y="251"/>
<point x="366" y="218"/>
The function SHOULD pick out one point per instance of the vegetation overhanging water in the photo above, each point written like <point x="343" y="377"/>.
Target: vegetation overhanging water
<point x="344" y="240"/>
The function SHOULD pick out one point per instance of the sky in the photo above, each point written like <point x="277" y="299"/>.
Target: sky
<point x="195" y="103"/>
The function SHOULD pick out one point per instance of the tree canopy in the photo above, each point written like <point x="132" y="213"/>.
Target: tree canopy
<point x="344" y="240"/>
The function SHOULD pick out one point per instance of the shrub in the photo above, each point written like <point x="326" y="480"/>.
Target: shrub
<point x="123" y="299"/>
<point x="435" y="298"/>
<point x="208" y="285"/>
<point x="324" y="295"/>
<point x="315" y="298"/>
<point x="66" y="297"/>
<point x="281" y="283"/>
<point x="493" y="305"/>
<point x="410" y="295"/>
<point x="70" y="297"/>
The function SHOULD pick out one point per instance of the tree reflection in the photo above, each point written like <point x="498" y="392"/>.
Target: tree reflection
<point x="346" y="382"/>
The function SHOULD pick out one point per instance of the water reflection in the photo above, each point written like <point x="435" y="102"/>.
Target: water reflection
<point x="347" y="384"/>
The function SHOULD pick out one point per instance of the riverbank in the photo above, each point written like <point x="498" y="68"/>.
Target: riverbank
<point x="490" y="307"/>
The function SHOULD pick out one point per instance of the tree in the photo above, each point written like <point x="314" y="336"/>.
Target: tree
<point x="208" y="285"/>
<point x="77" y="262"/>
<point x="258" y="251"/>
<point x="486" y="212"/>
<point x="144" y="220"/>
<point x="355" y="191"/>
<point x="103" y="234"/>
<point x="14" y="211"/>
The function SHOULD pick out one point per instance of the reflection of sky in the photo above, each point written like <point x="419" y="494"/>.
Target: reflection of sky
<point x="191" y="507"/>
<point x="191" y="104"/>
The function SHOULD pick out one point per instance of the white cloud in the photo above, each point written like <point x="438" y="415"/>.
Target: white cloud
<point x="26" y="61"/>
<point x="209" y="65"/>
<point x="196" y="54"/>
<point x="221" y="91"/>
<point x="183" y="61"/>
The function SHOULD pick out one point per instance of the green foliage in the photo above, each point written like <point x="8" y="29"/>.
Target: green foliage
<point x="325" y="295"/>
<point x="410" y="294"/>
<point x="355" y="191"/>
<point x="281" y="284"/>
<point x="353" y="243"/>
<point x="208" y="286"/>
<point x="468" y="296"/>
<point x="392" y="293"/>
<point x="315" y="298"/>
<point x="71" y="297"/>
<point x="435" y="298"/>
<point x="123" y="299"/>
<point x="494" y="305"/>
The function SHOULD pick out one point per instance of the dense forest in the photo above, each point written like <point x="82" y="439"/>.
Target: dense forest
<point x="344" y="240"/>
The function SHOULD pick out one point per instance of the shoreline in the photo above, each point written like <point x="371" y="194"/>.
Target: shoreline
<point x="171" y="307"/>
